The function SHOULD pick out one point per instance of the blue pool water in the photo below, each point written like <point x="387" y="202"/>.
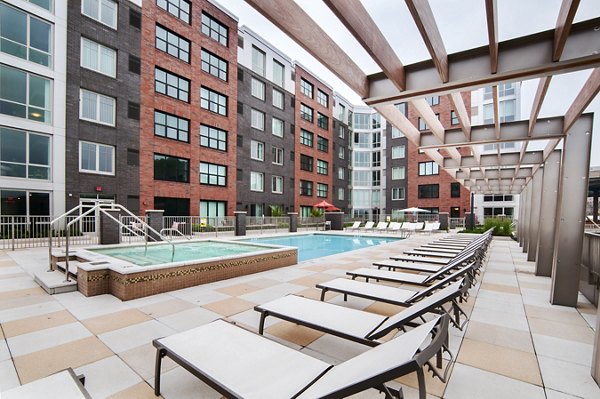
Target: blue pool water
<point x="312" y="246"/>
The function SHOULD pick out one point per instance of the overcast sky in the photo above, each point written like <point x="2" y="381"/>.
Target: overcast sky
<point x="462" y="25"/>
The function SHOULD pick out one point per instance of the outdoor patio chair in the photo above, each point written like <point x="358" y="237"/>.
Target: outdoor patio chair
<point x="394" y="227"/>
<point x="240" y="364"/>
<point x="460" y="260"/>
<point x="170" y="230"/>
<point x="355" y="226"/>
<point x="381" y="226"/>
<point x="368" y="226"/>
<point x="419" y="226"/>
<point x="65" y="385"/>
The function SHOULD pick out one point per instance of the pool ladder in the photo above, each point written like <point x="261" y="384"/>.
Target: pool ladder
<point x="103" y="208"/>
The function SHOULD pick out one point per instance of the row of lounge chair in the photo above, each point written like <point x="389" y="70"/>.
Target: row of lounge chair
<point x="241" y="364"/>
<point x="395" y="227"/>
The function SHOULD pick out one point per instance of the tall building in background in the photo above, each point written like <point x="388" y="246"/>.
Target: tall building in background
<point x="368" y="163"/>
<point x="33" y="66"/>
<point x="188" y="89"/>
<point x="430" y="187"/>
<point x="265" y="128"/>
<point x="313" y="149"/>
<point x="103" y="92"/>
<point x="342" y="155"/>
<point x="482" y="112"/>
<point x="396" y="166"/>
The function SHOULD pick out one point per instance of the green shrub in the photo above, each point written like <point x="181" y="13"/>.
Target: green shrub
<point x="502" y="227"/>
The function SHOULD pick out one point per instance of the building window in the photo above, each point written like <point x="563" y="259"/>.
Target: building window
<point x="361" y="121"/>
<point x="306" y="138"/>
<point x="170" y="168"/>
<point x="277" y="127"/>
<point x="178" y="8"/>
<point x="361" y="140"/>
<point x="214" y="29"/>
<point x="341" y="193"/>
<point x="213" y="209"/>
<point x="258" y="61"/>
<point x="422" y="124"/>
<point x="173" y="44"/>
<point x="277" y="184"/>
<point x="31" y="203"/>
<point x="322" y="144"/>
<point x="46" y="4"/>
<point x="96" y="158"/>
<point x="97" y="108"/>
<point x="322" y="190"/>
<point x="396" y="133"/>
<point x="398" y="152"/>
<point x="434" y="100"/>
<point x="277" y="154"/>
<point x="171" y="126"/>
<point x="257" y="119"/>
<point x="342" y="132"/>
<point x="398" y="173"/>
<point x="361" y="158"/>
<point x="322" y="121"/>
<point x="25" y="36"/>
<point x="213" y="174"/>
<point x="342" y="153"/>
<point x="24" y="95"/>
<point x="173" y="206"/>
<point x="306" y="88"/>
<point x="171" y="85"/>
<point x="98" y="58"/>
<point x="341" y="173"/>
<point x="376" y="159"/>
<point x="376" y="178"/>
<point x="213" y="101"/>
<point x="429" y="191"/>
<point x="506" y="109"/>
<point x="213" y="137"/>
<point x="24" y="154"/>
<point x="278" y="73"/>
<point x="278" y="99"/>
<point x="104" y="11"/>
<point x="306" y="113"/>
<point x="428" y="168"/>
<point x="362" y="178"/>
<point x="257" y="150"/>
<point x="322" y="167"/>
<point x="398" y="193"/>
<point x="306" y="163"/>
<point x="257" y="181"/>
<point x="342" y="112"/>
<point x="306" y="188"/>
<point x="323" y="98"/>
<point x="258" y="89"/>
<point x="455" y="190"/>
<point x="453" y="118"/>
<point x="214" y="65"/>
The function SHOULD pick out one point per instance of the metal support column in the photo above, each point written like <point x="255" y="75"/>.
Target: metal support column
<point x="521" y="226"/>
<point x="572" y="199"/>
<point x="526" y="214"/>
<point x="534" y="219"/>
<point x="545" y="251"/>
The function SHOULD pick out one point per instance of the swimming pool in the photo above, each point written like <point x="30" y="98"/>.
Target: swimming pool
<point x="311" y="246"/>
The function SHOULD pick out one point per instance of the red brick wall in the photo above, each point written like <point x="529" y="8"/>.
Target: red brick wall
<point x="150" y="100"/>
<point x="444" y="202"/>
<point x="302" y="200"/>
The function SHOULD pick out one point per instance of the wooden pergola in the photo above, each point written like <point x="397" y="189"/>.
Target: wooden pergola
<point x="550" y="179"/>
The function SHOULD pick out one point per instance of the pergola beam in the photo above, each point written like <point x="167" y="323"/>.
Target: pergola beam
<point x="495" y="161"/>
<point x="567" y="12"/>
<point x="359" y="23"/>
<point x="298" y="25"/>
<point x="491" y="13"/>
<point x="518" y="59"/>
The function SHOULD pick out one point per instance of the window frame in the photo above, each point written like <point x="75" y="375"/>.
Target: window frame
<point x="257" y="150"/>
<point x="100" y="12"/>
<point x="305" y="114"/>
<point x="399" y="148"/>
<point x="253" y="181"/>
<point x="99" y="48"/>
<point x="27" y="164"/>
<point x="306" y="188"/>
<point x="98" y="97"/>
<point x="258" y="89"/>
<point x="401" y="170"/>
<point x="306" y="163"/>
<point x="396" y="191"/>
<point x="306" y="88"/>
<point x="435" y="168"/>
<point x="208" y="174"/>
<point x="31" y="109"/>
<point x="209" y="138"/>
<point x="322" y="121"/>
<point x="322" y="144"/>
<point x="97" y="156"/>
<point x="307" y="138"/>
<point x="207" y="28"/>
<point x="169" y="44"/>
<point x="169" y="5"/>
<point x="276" y="121"/>
<point x="422" y="194"/>
<point x="277" y="155"/>
<point x="322" y="190"/>
<point x="187" y="160"/>
<point x="254" y="112"/>
<point x="322" y="167"/>
<point x="279" y="95"/>
<point x="168" y="85"/>
<point x="208" y="61"/>
<point x="209" y="102"/>
<point x="275" y="187"/>
<point x="167" y="126"/>
<point x="323" y="98"/>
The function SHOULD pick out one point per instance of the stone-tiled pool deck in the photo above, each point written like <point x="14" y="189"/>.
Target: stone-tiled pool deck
<point x="516" y="345"/>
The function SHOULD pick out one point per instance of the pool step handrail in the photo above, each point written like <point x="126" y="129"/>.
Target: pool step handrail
<point x="103" y="208"/>
<point x="51" y="226"/>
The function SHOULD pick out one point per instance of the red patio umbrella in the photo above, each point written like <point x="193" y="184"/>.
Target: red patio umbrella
<point x="323" y="204"/>
<point x="333" y="209"/>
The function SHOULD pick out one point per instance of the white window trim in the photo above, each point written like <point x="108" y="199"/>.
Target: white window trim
<point x="99" y="58"/>
<point x="263" y="181"/>
<point x="97" y="172"/>
<point x="252" y="111"/>
<point x="282" y="156"/>
<point x="99" y="9"/>
<point x="273" y="178"/>
<point x="256" y="145"/>
<point x="97" y="108"/>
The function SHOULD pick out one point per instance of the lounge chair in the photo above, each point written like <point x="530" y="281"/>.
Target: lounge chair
<point x="240" y="364"/>
<point x="381" y="226"/>
<point x="65" y="385"/>
<point x="355" y="226"/>
<point x="368" y="226"/>
<point x="394" y="227"/>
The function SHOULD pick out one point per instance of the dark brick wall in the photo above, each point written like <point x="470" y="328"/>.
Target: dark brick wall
<point x="125" y="88"/>
<point x="150" y="144"/>
<point x="304" y="200"/>
<point x="345" y="163"/>
<point x="246" y="133"/>
<point x="390" y="163"/>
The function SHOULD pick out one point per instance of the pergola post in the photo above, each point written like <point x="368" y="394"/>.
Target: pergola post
<point x="572" y="198"/>
<point x="545" y="249"/>
<point x="527" y="216"/>
<point x="534" y="220"/>
<point x="521" y="225"/>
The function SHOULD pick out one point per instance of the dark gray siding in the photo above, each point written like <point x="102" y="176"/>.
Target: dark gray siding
<point x="345" y="163"/>
<point x="390" y="184"/>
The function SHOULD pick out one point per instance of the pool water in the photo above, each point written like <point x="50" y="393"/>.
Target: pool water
<point x="159" y="254"/>
<point x="313" y="246"/>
